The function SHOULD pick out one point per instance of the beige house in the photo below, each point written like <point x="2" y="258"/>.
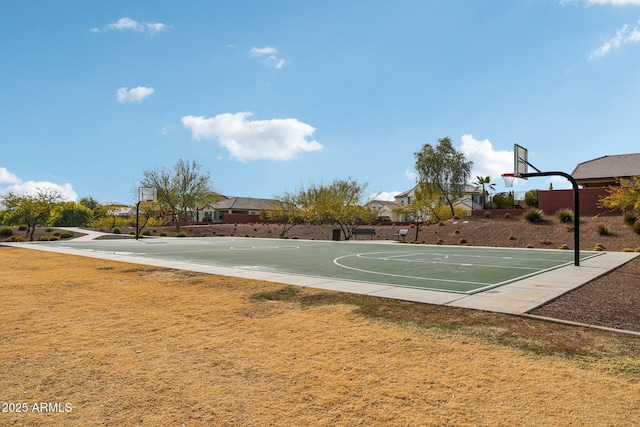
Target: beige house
<point x="470" y="200"/>
<point x="385" y="209"/>
<point x="214" y="212"/>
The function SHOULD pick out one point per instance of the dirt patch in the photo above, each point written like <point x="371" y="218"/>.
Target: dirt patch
<point x="105" y="343"/>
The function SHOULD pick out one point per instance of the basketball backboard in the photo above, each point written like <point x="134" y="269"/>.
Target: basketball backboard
<point x="520" y="161"/>
<point x="146" y="194"/>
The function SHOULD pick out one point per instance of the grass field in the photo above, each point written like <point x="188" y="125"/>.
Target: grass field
<point x="135" y="345"/>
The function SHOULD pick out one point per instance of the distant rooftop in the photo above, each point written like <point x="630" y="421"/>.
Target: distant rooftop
<point x="622" y="165"/>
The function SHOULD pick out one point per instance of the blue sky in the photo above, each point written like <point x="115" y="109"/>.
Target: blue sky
<point x="272" y="95"/>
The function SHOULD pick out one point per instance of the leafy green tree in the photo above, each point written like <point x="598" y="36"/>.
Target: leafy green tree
<point x="285" y="212"/>
<point x="340" y="203"/>
<point x="184" y="187"/>
<point x="625" y="196"/>
<point x="31" y="209"/>
<point x="503" y="200"/>
<point x="89" y="202"/>
<point x="70" y="214"/>
<point x="531" y="198"/>
<point x="423" y="208"/>
<point x="444" y="168"/>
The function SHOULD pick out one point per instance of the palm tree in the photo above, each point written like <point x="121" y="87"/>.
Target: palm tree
<point x="482" y="181"/>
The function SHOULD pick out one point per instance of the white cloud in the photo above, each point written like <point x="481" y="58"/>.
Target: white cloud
<point x="137" y="94"/>
<point x="128" y="24"/>
<point x="31" y="187"/>
<point x="386" y="196"/>
<point x="275" y="139"/>
<point x="615" y="2"/>
<point x="627" y="34"/>
<point x="486" y="160"/>
<point x="269" y="55"/>
<point x="7" y="177"/>
<point x="411" y="175"/>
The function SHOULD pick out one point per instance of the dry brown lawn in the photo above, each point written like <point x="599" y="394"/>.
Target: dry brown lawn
<point x="107" y="343"/>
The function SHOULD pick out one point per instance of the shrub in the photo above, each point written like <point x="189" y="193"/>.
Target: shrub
<point x="163" y="234"/>
<point x="54" y="238"/>
<point x="66" y="234"/>
<point x="16" y="239"/>
<point x="598" y="247"/>
<point x="603" y="230"/>
<point x="6" y="232"/>
<point x="146" y="233"/>
<point x="487" y="214"/>
<point x="181" y="234"/>
<point x="116" y="231"/>
<point x="630" y="218"/>
<point x="439" y="241"/>
<point x="22" y="227"/>
<point x="533" y="215"/>
<point x="529" y="246"/>
<point x="565" y="215"/>
<point x="531" y="198"/>
<point x="463" y="241"/>
<point x="43" y="238"/>
<point x="626" y="250"/>
<point x="507" y="215"/>
<point x="563" y="246"/>
<point x="511" y="237"/>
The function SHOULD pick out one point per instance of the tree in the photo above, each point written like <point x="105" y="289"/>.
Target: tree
<point x="285" y="212"/>
<point x="531" y="198"/>
<point x="444" y="168"/>
<point x="625" y="197"/>
<point x="484" y="181"/>
<point x="340" y="204"/>
<point x="183" y="188"/>
<point x="423" y="207"/>
<point x="31" y="209"/>
<point x="70" y="214"/>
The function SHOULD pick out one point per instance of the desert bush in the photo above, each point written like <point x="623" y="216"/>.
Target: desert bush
<point x="6" y="232"/>
<point x="511" y="237"/>
<point x="439" y="241"/>
<point x="626" y="250"/>
<point x="563" y="247"/>
<point x="533" y="215"/>
<point x="16" y="239"/>
<point x="598" y="247"/>
<point x="463" y="241"/>
<point x="116" y="231"/>
<point x="602" y="230"/>
<point x="163" y="234"/>
<point x="630" y="218"/>
<point x="43" y="238"/>
<point x="22" y="227"/>
<point x="565" y="215"/>
<point x="66" y="234"/>
<point x="507" y="215"/>
<point x="54" y="238"/>
<point x="181" y="234"/>
<point x="529" y="246"/>
<point x="146" y="233"/>
<point x="487" y="214"/>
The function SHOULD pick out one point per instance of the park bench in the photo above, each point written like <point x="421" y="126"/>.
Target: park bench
<point x="402" y="233"/>
<point x="364" y="232"/>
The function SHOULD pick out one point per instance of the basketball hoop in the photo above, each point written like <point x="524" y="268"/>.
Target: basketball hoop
<point x="509" y="179"/>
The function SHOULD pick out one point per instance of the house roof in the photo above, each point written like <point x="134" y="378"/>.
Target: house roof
<point x="244" y="203"/>
<point x="622" y="165"/>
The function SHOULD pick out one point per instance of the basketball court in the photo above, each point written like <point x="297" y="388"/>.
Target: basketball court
<point x="494" y="279"/>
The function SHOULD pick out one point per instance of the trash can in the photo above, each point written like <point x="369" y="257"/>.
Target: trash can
<point x="336" y="234"/>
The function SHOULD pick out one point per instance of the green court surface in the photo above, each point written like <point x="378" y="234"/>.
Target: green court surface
<point x="461" y="269"/>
